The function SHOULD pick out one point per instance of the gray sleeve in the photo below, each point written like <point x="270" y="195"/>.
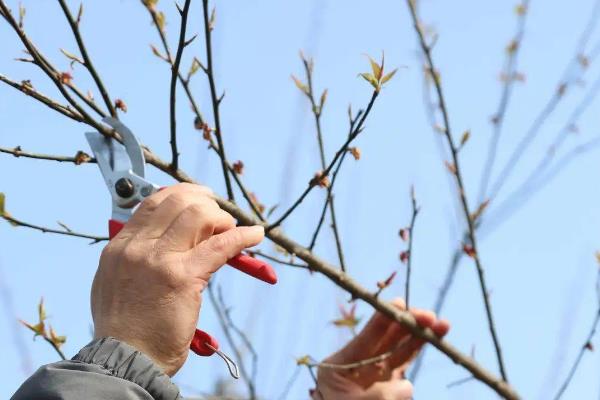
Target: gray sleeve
<point x="104" y="369"/>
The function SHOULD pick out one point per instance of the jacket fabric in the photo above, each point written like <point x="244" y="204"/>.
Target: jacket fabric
<point x="105" y="369"/>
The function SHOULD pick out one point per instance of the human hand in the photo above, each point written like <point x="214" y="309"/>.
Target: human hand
<point x="147" y="289"/>
<point x="382" y="380"/>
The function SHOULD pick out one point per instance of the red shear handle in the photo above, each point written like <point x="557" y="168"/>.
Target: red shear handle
<point x="201" y="342"/>
<point x="242" y="262"/>
<point x="114" y="227"/>
<point x="254" y="267"/>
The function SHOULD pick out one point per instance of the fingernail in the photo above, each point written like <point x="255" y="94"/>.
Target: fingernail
<point x="258" y="229"/>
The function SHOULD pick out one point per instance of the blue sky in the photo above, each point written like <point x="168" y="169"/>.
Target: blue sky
<point x="539" y="262"/>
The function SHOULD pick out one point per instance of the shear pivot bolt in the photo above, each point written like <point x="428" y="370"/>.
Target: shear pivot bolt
<point x="124" y="188"/>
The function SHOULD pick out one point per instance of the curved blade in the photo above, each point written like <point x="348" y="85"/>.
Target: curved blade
<point x="132" y="146"/>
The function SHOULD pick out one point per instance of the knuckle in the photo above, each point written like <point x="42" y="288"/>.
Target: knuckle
<point x="219" y="244"/>
<point x="183" y="186"/>
<point x="133" y="254"/>
<point x="149" y="204"/>
<point x="225" y="244"/>
<point x="177" y="199"/>
<point x="205" y="190"/>
<point x="196" y="210"/>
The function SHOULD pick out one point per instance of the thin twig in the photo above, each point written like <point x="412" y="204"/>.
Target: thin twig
<point x="498" y="118"/>
<point x="317" y="110"/>
<point x="56" y="348"/>
<point x="241" y="334"/>
<point x="343" y="149"/>
<point x="214" y="97"/>
<point x="17" y="152"/>
<point x="87" y="61"/>
<point x="221" y="314"/>
<point x="316" y="382"/>
<point x="245" y="193"/>
<point x="361" y="363"/>
<point x="279" y="260"/>
<point x="173" y="89"/>
<point x="41" y="61"/>
<point x="290" y="383"/>
<point x="461" y="188"/>
<point x="587" y="346"/>
<point x="559" y="140"/>
<point x="415" y="211"/>
<point x="16" y="222"/>
<point x="26" y="88"/>
<point x="567" y="79"/>
<point x="313" y="241"/>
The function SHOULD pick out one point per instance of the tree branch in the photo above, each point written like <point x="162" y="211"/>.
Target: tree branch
<point x="214" y="98"/>
<point x="16" y="222"/>
<point x="509" y="72"/>
<point x="87" y="61"/>
<point x="317" y="110"/>
<point x="27" y="88"/>
<point x="569" y="77"/>
<point x="80" y="158"/>
<point x="173" y="89"/>
<point x="415" y="211"/>
<point x="587" y="346"/>
<point x="357" y="130"/>
<point x="459" y="181"/>
<point x="221" y="314"/>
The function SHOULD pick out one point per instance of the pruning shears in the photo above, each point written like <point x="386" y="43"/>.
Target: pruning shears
<point x="123" y="168"/>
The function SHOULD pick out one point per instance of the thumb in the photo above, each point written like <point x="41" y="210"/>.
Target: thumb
<point x="218" y="249"/>
<point x="395" y="389"/>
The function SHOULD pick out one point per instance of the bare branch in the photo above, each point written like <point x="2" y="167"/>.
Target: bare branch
<point x="80" y="158"/>
<point x="509" y="78"/>
<point x="459" y="181"/>
<point x="173" y="90"/>
<point x="215" y="99"/>
<point x="572" y="73"/>
<point x="587" y="346"/>
<point x="357" y="130"/>
<point x="279" y="261"/>
<point x="225" y="325"/>
<point x="357" y="364"/>
<point x="16" y="222"/>
<point x="26" y="88"/>
<point x="74" y="24"/>
<point x="317" y="110"/>
<point x="415" y="211"/>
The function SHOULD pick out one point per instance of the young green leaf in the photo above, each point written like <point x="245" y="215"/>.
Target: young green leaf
<point x="56" y="339"/>
<point x="157" y="53"/>
<point x="371" y="79"/>
<point x="79" y="13"/>
<point x="389" y="76"/>
<point x="196" y="65"/>
<point x="300" y="85"/>
<point x="22" y="13"/>
<point x="161" y="20"/>
<point x="2" y="202"/>
<point x="323" y="98"/>
<point x="213" y="19"/>
<point x="465" y="137"/>
<point x="377" y="70"/>
<point x="74" y="59"/>
<point x="41" y="310"/>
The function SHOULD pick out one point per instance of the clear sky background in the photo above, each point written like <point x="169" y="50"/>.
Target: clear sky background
<point x="540" y="261"/>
